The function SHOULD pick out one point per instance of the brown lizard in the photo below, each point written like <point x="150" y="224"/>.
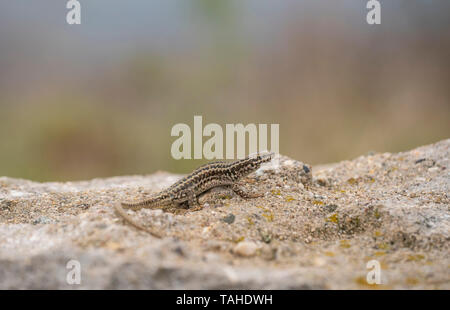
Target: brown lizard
<point x="187" y="190"/>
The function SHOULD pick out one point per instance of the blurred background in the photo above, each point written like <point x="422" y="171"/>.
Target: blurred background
<point x="99" y="99"/>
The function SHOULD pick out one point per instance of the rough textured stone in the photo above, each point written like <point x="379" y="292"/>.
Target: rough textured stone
<point x="316" y="227"/>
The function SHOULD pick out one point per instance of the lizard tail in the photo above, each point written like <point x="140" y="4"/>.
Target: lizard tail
<point x="120" y="211"/>
<point x="137" y="205"/>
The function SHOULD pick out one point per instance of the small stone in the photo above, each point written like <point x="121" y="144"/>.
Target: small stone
<point x="306" y="169"/>
<point x="229" y="219"/>
<point x="330" y="208"/>
<point x="245" y="248"/>
<point x="179" y="250"/>
<point x="322" y="182"/>
<point x="84" y="206"/>
<point x="42" y="220"/>
<point x="433" y="169"/>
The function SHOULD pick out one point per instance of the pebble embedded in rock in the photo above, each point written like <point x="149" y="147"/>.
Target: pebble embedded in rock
<point x="229" y="219"/>
<point x="245" y="248"/>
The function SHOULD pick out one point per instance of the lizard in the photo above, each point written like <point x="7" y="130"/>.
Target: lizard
<point x="202" y="179"/>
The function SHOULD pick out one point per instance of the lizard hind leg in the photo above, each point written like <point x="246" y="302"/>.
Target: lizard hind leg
<point x="245" y="194"/>
<point x="216" y="195"/>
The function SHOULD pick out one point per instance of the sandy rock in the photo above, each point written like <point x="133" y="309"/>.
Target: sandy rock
<point x="315" y="227"/>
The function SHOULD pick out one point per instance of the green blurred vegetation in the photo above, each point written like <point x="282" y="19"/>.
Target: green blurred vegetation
<point x="337" y="93"/>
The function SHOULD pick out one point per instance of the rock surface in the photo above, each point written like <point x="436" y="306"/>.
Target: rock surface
<point x="314" y="231"/>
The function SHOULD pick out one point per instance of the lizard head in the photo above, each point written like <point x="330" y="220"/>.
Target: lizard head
<point x="263" y="157"/>
<point x="252" y="163"/>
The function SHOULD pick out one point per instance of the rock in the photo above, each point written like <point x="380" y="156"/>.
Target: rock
<point x="392" y="208"/>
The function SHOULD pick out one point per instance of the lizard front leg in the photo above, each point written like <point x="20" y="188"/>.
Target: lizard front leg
<point x="190" y="199"/>
<point x="193" y="202"/>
